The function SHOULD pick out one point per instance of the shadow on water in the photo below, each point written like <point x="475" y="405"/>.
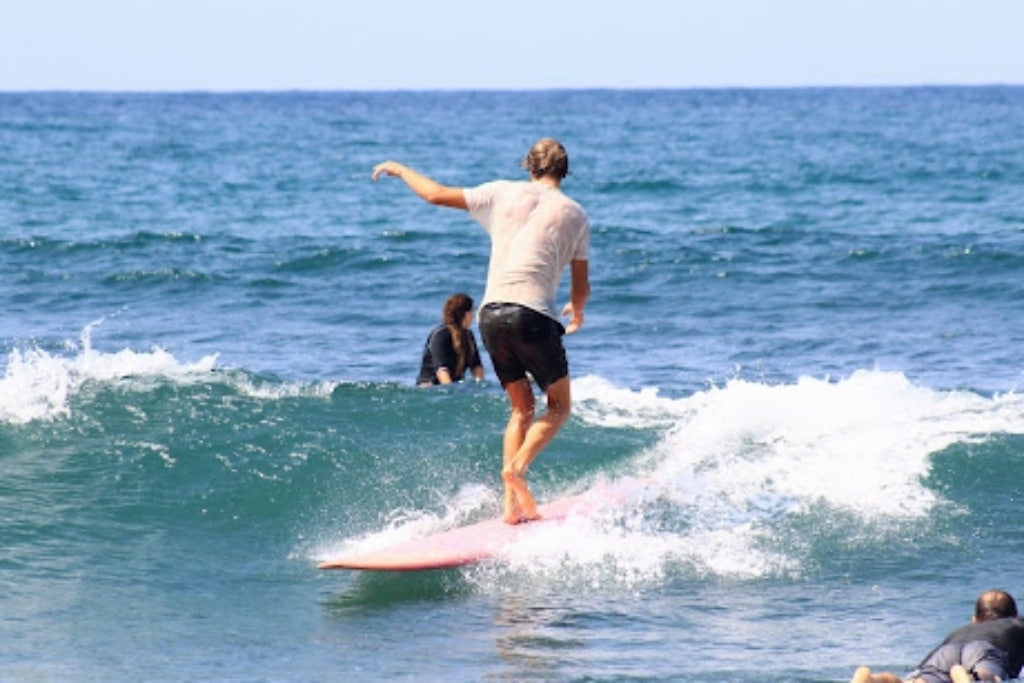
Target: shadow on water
<point x="371" y="590"/>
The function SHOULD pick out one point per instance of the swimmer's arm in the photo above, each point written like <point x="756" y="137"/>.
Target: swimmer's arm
<point x="443" y="376"/>
<point x="427" y="189"/>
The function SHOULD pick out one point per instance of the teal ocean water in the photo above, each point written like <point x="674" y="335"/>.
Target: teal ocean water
<point x="805" y="336"/>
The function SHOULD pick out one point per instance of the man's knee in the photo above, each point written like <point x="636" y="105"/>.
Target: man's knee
<point x="520" y="397"/>
<point x="559" y="398"/>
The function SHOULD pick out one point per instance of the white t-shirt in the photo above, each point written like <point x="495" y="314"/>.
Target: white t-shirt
<point x="535" y="232"/>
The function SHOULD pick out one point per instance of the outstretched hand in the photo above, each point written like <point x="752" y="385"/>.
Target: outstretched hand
<point x="391" y="168"/>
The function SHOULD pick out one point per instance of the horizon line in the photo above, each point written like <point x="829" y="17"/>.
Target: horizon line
<point x="494" y="89"/>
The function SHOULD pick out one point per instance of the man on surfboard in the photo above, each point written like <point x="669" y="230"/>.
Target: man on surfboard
<point x="989" y="648"/>
<point x="536" y="231"/>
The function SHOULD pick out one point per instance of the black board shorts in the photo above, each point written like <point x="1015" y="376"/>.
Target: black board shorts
<point x="521" y="340"/>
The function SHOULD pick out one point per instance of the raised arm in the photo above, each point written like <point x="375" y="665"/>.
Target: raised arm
<point x="427" y="189"/>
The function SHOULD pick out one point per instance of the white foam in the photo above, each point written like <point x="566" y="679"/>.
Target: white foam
<point x="37" y="385"/>
<point x="405" y="525"/>
<point x="598" y="401"/>
<point x="862" y="443"/>
<point x="284" y="390"/>
<point x="735" y="461"/>
<point x="734" y="464"/>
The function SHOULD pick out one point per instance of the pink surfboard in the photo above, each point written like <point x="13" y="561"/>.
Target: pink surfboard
<point x="473" y="543"/>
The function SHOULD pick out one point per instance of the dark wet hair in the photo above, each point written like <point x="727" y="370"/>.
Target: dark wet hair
<point x="454" y="312"/>
<point x="994" y="604"/>
<point x="456" y="307"/>
<point x="547" y="157"/>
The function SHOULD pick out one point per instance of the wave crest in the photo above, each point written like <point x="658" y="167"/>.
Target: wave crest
<point x="38" y="385"/>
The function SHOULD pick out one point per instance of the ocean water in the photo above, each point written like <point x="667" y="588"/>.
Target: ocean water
<point x="804" y="338"/>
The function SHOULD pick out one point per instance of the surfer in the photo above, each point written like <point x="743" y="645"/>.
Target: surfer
<point x="989" y="648"/>
<point x="451" y="348"/>
<point x="536" y="231"/>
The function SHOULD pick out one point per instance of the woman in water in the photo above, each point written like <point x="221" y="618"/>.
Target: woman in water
<point x="451" y="347"/>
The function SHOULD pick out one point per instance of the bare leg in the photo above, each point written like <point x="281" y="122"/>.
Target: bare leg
<point x="886" y="677"/>
<point x="522" y="403"/>
<point x="538" y="434"/>
<point x="960" y="675"/>
<point x="864" y="675"/>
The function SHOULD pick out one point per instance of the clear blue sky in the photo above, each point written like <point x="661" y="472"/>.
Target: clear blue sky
<point x="454" y="44"/>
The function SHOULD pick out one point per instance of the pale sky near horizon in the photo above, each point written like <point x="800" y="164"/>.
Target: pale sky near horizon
<point x="230" y="45"/>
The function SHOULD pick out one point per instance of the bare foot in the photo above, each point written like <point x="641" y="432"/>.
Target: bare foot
<point x="861" y="675"/>
<point x="523" y="519"/>
<point x="510" y="507"/>
<point x="511" y="515"/>
<point x="514" y="514"/>
<point x="519" y="503"/>
<point x="959" y="674"/>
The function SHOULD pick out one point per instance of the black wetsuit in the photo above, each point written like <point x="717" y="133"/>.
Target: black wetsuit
<point x="996" y="645"/>
<point x="439" y="352"/>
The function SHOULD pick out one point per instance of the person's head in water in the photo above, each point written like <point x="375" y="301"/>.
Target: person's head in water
<point x="455" y="309"/>
<point x="547" y="158"/>
<point x="994" y="604"/>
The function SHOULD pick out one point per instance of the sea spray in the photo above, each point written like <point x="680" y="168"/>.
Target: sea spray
<point x="38" y="385"/>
